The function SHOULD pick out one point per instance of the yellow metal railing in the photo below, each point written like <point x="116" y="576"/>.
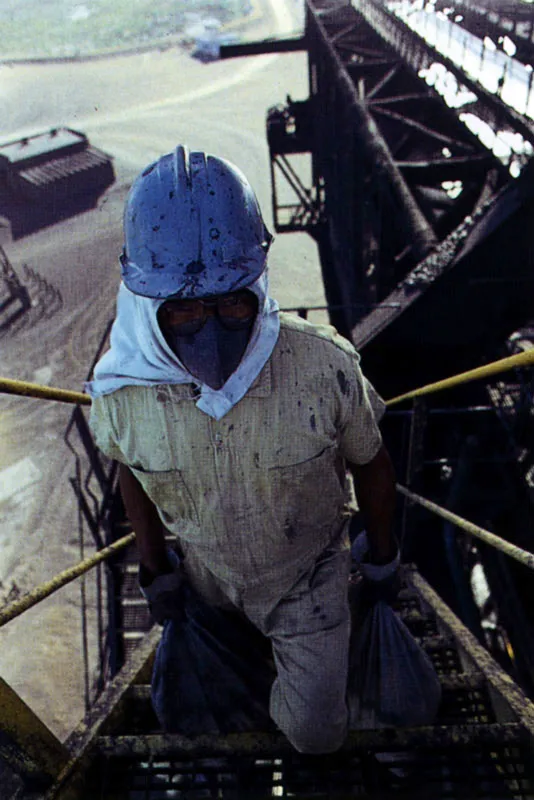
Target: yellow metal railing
<point x="25" y="389"/>
<point x="525" y="359"/>
<point x="30" y="599"/>
<point x="523" y="556"/>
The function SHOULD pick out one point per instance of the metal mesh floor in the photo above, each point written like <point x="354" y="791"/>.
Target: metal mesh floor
<point x="427" y="774"/>
<point x="501" y="768"/>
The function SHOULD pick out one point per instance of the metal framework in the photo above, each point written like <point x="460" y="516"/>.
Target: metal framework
<point x="480" y="745"/>
<point x="408" y="209"/>
<point x="397" y="191"/>
<point x="122" y="614"/>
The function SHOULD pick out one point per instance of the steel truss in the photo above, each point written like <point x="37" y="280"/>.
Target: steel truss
<point x="394" y="171"/>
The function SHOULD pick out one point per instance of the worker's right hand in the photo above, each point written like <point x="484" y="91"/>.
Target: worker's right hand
<point x="380" y="582"/>
<point x="164" y="593"/>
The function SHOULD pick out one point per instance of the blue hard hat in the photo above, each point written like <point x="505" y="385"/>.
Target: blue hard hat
<point x="193" y="228"/>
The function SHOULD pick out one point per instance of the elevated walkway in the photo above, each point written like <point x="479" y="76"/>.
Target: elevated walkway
<point x="480" y="744"/>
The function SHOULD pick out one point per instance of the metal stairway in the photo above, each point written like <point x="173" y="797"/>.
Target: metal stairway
<point x="479" y="746"/>
<point x="134" y="614"/>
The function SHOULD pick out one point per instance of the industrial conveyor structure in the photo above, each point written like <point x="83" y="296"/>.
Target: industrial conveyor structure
<point x="511" y="20"/>
<point x="424" y="230"/>
<point x="419" y="224"/>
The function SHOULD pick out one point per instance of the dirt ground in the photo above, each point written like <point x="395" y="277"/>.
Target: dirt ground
<point x="135" y="108"/>
<point x="70" y="28"/>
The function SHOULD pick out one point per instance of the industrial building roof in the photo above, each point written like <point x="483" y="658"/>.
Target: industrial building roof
<point x="41" y="145"/>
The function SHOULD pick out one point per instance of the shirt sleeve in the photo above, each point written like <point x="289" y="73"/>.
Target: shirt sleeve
<point x="103" y="429"/>
<point x="362" y="409"/>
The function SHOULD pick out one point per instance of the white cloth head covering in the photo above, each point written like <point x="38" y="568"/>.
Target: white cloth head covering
<point x="140" y="356"/>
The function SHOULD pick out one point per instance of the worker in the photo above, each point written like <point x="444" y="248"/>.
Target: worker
<point x="235" y="425"/>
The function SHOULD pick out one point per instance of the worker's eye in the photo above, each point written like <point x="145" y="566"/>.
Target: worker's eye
<point x="178" y="313"/>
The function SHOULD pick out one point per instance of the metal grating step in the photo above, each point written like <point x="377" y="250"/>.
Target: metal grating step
<point x="473" y="750"/>
<point x="465" y="700"/>
<point x="135" y="618"/>
<point x="468" y="761"/>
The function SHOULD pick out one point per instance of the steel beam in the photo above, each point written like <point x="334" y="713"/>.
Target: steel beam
<point x="26" y="744"/>
<point x="419" y="54"/>
<point x="287" y="45"/>
<point x="264" y="745"/>
<point x="510" y="702"/>
<point x="419" y="231"/>
<point x="108" y="710"/>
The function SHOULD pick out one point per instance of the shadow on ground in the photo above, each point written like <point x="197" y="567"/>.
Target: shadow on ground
<point x="25" y="216"/>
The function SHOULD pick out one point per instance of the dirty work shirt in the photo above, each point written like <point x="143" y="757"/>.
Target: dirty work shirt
<point x="259" y="494"/>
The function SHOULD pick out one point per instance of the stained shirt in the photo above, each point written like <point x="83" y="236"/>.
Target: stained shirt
<point x="260" y="493"/>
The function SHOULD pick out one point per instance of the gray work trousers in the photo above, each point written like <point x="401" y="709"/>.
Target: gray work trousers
<point x="309" y="629"/>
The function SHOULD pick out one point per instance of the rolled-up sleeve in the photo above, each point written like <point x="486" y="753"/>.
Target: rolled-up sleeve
<point x="362" y="409"/>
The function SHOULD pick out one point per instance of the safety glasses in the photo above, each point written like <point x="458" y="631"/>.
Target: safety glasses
<point x="234" y="311"/>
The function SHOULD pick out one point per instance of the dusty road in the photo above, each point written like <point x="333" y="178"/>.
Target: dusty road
<point x="135" y="108"/>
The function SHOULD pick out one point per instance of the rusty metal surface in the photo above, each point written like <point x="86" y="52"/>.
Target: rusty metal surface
<point x="514" y="703"/>
<point x="25" y="742"/>
<point x="264" y="745"/>
<point x="497" y="774"/>
<point x="423" y="237"/>
<point x="119" y="753"/>
<point x="107" y="710"/>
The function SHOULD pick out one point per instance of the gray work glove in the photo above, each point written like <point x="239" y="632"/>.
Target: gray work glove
<point x="164" y="594"/>
<point x="379" y="581"/>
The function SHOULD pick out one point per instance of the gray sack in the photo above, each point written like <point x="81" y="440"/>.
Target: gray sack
<point x="392" y="681"/>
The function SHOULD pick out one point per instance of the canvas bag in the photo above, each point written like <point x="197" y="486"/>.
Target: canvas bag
<point x="213" y="672"/>
<point x="392" y="681"/>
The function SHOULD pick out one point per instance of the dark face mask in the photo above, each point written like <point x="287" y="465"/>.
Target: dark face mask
<point x="212" y="353"/>
<point x="210" y="336"/>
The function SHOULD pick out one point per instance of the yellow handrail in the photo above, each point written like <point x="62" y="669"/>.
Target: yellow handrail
<point x="523" y="556"/>
<point x="26" y="389"/>
<point x="30" y="599"/>
<point x="525" y="359"/>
